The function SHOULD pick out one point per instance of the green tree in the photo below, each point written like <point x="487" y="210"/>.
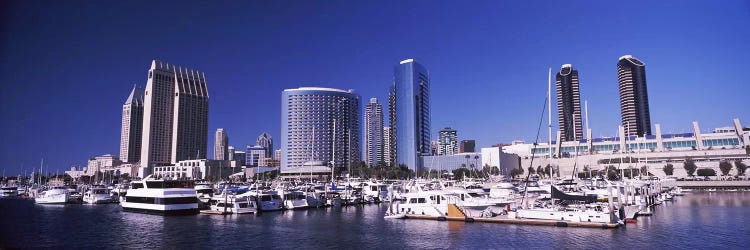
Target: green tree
<point x="644" y="170"/>
<point x="548" y="170"/>
<point x="461" y="173"/>
<point x="725" y="167"/>
<point x="706" y="172"/>
<point x="531" y="170"/>
<point x="741" y="167"/>
<point x="690" y="166"/>
<point x="669" y="169"/>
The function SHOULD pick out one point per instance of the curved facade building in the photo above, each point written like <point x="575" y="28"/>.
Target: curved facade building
<point x="636" y="118"/>
<point x="319" y="125"/>
<point x="411" y="104"/>
<point x="569" y="104"/>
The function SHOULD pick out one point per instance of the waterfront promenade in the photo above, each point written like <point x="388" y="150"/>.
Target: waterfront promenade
<point x="711" y="184"/>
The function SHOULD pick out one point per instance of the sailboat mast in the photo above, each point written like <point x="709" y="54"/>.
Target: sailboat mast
<point x="549" y="116"/>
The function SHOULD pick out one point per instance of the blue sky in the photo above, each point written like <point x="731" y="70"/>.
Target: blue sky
<point x="67" y="67"/>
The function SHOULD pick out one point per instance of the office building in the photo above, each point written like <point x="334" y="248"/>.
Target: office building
<point x="102" y="163"/>
<point x="569" y="104"/>
<point x="266" y="141"/>
<point x="411" y="105"/>
<point x="254" y="154"/>
<point x="175" y="117"/>
<point x="448" y="141"/>
<point x="387" y="143"/>
<point x="319" y="126"/>
<point x="373" y="138"/>
<point x="132" y="126"/>
<point x="221" y="145"/>
<point x="636" y="118"/>
<point x="466" y="146"/>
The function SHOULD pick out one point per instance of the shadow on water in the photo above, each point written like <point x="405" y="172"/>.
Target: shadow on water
<point x="697" y="220"/>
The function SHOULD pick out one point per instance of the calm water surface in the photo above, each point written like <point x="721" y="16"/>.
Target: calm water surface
<point x="699" y="220"/>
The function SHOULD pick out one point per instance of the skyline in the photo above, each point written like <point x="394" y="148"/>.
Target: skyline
<point x="70" y="112"/>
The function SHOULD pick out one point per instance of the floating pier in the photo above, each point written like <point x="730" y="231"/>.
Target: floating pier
<point x="213" y="212"/>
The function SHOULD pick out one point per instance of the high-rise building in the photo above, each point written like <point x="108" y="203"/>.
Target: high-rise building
<point x="230" y="153"/>
<point x="221" y="145"/>
<point x="569" y="104"/>
<point x="392" y="128"/>
<point x="266" y="141"/>
<point x="373" y="138"/>
<point x="175" y="117"/>
<point x="387" y="146"/>
<point x="466" y="146"/>
<point x="636" y="118"/>
<point x="448" y="141"/>
<point x="277" y="155"/>
<point x="254" y="154"/>
<point x="319" y="125"/>
<point x="411" y="105"/>
<point x="132" y="127"/>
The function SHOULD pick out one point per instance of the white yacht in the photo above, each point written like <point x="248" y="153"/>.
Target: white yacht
<point x="205" y="191"/>
<point x="97" y="195"/>
<point x="378" y="191"/>
<point x="432" y="203"/>
<point x="269" y="201"/>
<point x="295" y="200"/>
<point x="159" y="196"/>
<point x="594" y="213"/>
<point x="8" y="192"/>
<point x="56" y="195"/>
<point x="233" y="204"/>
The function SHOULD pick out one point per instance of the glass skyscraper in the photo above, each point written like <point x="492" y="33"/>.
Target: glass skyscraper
<point x="636" y="118"/>
<point x="411" y="105"/>
<point x="319" y="125"/>
<point x="569" y="104"/>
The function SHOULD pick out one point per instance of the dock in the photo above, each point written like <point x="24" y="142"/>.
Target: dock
<point x="455" y="214"/>
<point x="212" y="212"/>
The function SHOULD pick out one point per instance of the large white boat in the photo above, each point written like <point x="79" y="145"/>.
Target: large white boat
<point x="97" y="195"/>
<point x="56" y="195"/>
<point x="432" y="203"/>
<point x="8" y="192"/>
<point x="378" y="191"/>
<point x="159" y="196"/>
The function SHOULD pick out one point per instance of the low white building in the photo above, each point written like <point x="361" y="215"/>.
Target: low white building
<point x="75" y="173"/>
<point x="102" y="163"/>
<point x="197" y="169"/>
<point x="652" y="151"/>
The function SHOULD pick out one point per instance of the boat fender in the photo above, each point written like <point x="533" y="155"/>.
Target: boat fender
<point x="469" y="219"/>
<point x="561" y="224"/>
<point x="441" y="218"/>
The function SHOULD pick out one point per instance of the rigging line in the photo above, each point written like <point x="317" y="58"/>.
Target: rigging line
<point x="536" y="142"/>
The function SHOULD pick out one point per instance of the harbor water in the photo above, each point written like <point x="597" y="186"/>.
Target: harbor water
<point x="699" y="220"/>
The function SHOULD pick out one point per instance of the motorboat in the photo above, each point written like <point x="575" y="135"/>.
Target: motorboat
<point x="97" y="195"/>
<point x="160" y="196"/>
<point x="269" y="201"/>
<point x="55" y="195"/>
<point x="377" y="191"/>
<point x="295" y="200"/>
<point x="231" y="203"/>
<point x="8" y="192"/>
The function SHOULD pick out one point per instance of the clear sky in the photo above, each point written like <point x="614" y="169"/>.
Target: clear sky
<point x="66" y="67"/>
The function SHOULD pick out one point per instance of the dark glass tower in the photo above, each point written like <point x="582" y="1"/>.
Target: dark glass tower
<point x="569" y="104"/>
<point x="636" y="118"/>
<point x="411" y="89"/>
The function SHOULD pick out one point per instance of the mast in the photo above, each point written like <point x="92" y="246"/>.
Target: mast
<point x="549" y="117"/>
